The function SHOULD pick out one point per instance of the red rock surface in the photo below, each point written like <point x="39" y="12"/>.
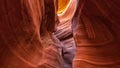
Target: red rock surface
<point x="96" y="33"/>
<point x="33" y="35"/>
<point x="26" y="39"/>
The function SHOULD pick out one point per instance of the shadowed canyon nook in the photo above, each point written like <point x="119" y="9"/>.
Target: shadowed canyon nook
<point x="59" y="34"/>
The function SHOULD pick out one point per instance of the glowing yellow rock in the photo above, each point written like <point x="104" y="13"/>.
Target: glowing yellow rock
<point x="62" y="5"/>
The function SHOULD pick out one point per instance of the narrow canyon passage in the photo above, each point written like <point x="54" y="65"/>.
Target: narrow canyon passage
<point x="59" y="34"/>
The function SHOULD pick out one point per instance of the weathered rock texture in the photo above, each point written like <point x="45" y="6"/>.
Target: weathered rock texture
<point x="64" y="31"/>
<point x="96" y="32"/>
<point x="26" y="39"/>
<point x="46" y="33"/>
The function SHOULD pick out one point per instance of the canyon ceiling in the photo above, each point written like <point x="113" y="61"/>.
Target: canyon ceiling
<point x="59" y="34"/>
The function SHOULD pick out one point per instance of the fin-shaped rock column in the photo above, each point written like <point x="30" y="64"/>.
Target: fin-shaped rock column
<point x="52" y="45"/>
<point x="96" y="32"/>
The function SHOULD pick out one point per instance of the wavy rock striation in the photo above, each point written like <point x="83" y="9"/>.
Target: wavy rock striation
<point x="50" y="33"/>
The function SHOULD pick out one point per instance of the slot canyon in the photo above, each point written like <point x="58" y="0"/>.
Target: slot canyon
<point x="59" y="34"/>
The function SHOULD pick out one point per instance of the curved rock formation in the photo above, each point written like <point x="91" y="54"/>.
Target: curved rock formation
<point x="95" y="29"/>
<point x="50" y="33"/>
<point x="26" y="39"/>
<point x="64" y="32"/>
